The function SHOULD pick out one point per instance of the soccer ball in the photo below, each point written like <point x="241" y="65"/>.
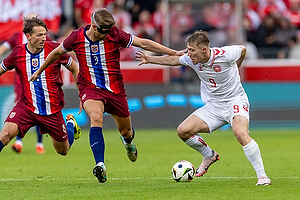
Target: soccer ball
<point x="183" y="171"/>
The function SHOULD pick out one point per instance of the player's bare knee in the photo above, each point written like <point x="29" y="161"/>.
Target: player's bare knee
<point x="242" y="137"/>
<point x="182" y="134"/>
<point x="5" y="137"/>
<point x="96" y="119"/>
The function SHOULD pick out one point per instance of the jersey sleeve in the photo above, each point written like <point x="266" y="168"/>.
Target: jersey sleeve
<point x="233" y="53"/>
<point x="69" y="42"/>
<point x="122" y="38"/>
<point x="65" y="60"/>
<point x="9" y="62"/>
<point x="185" y="60"/>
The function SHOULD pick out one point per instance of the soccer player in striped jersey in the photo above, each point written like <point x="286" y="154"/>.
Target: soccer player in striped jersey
<point x="100" y="80"/>
<point x="224" y="97"/>
<point x="16" y="39"/>
<point x="41" y="101"/>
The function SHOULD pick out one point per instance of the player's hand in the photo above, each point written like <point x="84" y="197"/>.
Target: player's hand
<point x="34" y="76"/>
<point x="181" y="52"/>
<point x="141" y="56"/>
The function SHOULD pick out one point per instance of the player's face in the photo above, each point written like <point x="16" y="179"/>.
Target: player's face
<point x="36" y="40"/>
<point x="101" y="33"/>
<point x="197" y="54"/>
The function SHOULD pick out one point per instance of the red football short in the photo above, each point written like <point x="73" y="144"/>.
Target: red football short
<point x="115" y="104"/>
<point x="53" y="124"/>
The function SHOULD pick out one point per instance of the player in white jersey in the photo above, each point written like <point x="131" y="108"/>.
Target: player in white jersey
<point x="224" y="97"/>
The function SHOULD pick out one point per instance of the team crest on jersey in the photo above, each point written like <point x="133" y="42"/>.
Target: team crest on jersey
<point x="12" y="114"/>
<point x="94" y="48"/>
<point x="35" y="62"/>
<point x="217" y="68"/>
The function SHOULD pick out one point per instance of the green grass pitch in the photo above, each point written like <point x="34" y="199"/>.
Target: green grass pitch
<point x="51" y="176"/>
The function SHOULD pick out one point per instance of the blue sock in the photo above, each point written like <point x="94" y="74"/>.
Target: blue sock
<point x="129" y="140"/>
<point x="39" y="135"/>
<point x="1" y="145"/>
<point x="70" y="131"/>
<point x="97" y="143"/>
<point x="18" y="138"/>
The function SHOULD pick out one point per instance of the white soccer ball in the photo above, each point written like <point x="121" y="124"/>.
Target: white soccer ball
<point x="183" y="171"/>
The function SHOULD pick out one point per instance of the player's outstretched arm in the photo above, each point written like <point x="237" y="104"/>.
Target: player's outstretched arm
<point x="161" y="60"/>
<point x="153" y="46"/>
<point x="52" y="57"/>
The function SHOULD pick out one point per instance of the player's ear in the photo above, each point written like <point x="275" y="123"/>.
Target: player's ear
<point x="27" y="35"/>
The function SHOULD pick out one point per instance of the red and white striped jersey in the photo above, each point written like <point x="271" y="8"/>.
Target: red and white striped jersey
<point x="99" y="62"/>
<point x="45" y="95"/>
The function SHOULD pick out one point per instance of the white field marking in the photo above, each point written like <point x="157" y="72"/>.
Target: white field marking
<point x="134" y="178"/>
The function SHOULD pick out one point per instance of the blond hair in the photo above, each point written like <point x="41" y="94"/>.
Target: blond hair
<point x="198" y="38"/>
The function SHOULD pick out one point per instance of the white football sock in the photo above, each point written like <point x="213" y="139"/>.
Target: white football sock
<point x="252" y="152"/>
<point x="197" y="143"/>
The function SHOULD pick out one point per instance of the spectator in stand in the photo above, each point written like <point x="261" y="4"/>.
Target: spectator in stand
<point x="252" y="15"/>
<point x="293" y="13"/>
<point x="250" y="39"/>
<point x="157" y="18"/>
<point x="140" y="5"/>
<point x="253" y="4"/>
<point x="144" y="28"/>
<point x="122" y="17"/>
<point x="271" y="7"/>
<point x="294" y="52"/>
<point x="181" y="21"/>
<point x="266" y="39"/>
<point x="284" y="34"/>
<point x="83" y="10"/>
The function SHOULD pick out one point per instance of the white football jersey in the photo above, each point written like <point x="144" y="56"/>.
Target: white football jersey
<point x="220" y="79"/>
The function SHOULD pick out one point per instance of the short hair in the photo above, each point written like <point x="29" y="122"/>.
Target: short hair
<point x="104" y="18"/>
<point x="30" y="22"/>
<point x="198" y="38"/>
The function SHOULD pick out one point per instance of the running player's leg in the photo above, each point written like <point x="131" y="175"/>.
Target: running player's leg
<point x="39" y="146"/>
<point x="188" y="131"/>
<point x="55" y="126"/>
<point x="18" y="122"/>
<point x="127" y="134"/>
<point x="8" y="132"/>
<point x="251" y="149"/>
<point x="95" y="110"/>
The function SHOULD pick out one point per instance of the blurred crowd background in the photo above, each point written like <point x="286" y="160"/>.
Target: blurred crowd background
<point x="269" y="28"/>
